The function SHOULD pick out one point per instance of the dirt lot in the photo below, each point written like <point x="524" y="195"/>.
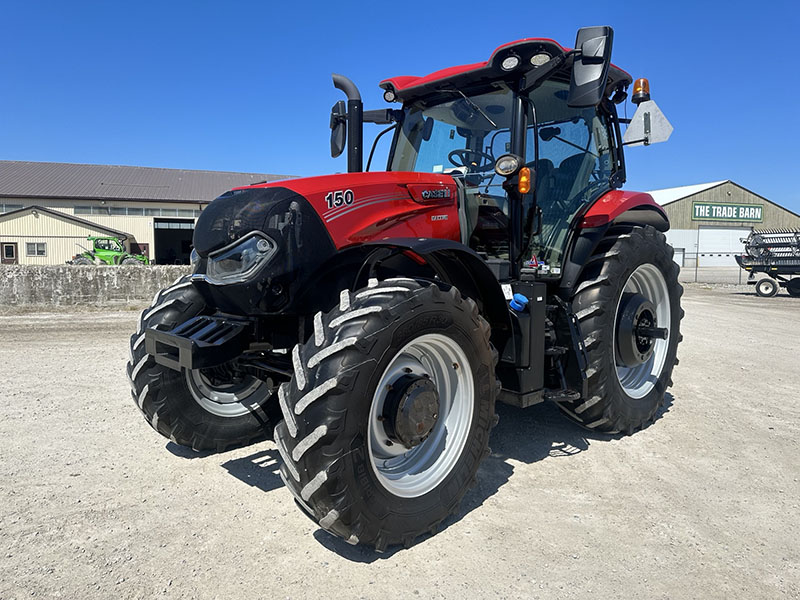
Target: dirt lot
<point x="703" y="504"/>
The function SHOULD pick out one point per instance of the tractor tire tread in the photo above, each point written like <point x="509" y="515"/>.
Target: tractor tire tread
<point x="593" y="303"/>
<point x="351" y="329"/>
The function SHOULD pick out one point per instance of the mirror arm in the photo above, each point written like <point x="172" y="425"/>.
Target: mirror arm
<point x="544" y="71"/>
<point x="383" y="116"/>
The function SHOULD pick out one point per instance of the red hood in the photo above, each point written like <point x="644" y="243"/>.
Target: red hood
<point x="363" y="207"/>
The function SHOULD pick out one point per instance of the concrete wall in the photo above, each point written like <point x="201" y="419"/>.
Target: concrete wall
<point x="67" y="285"/>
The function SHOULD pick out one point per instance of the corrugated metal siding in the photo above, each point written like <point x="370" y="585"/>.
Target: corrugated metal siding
<point x="60" y="236"/>
<point x="64" y="180"/>
<point x="140" y="227"/>
<point x="680" y="211"/>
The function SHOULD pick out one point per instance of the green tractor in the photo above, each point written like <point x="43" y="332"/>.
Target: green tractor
<point x="107" y="251"/>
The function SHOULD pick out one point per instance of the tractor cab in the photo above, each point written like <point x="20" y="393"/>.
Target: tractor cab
<point x="553" y="109"/>
<point x="464" y="136"/>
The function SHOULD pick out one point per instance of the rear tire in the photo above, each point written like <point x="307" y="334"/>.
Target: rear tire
<point x="131" y="261"/>
<point x="793" y="287"/>
<point x="766" y="288"/>
<point x="189" y="407"/>
<point x="338" y="460"/>
<point x="624" y="398"/>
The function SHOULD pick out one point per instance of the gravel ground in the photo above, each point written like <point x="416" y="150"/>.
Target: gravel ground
<point x="702" y="504"/>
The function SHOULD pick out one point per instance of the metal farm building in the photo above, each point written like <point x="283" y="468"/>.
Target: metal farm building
<point x="47" y="210"/>
<point x="709" y="220"/>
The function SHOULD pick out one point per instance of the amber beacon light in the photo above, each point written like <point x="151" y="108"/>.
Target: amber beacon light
<point x="641" y="91"/>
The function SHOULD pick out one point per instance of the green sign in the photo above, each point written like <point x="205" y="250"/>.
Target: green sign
<point x="706" y="211"/>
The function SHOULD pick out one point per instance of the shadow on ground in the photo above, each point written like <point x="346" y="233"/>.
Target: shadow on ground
<point x="522" y="435"/>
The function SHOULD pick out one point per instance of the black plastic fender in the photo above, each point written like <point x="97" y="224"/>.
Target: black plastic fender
<point x="452" y="263"/>
<point x="583" y="241"/>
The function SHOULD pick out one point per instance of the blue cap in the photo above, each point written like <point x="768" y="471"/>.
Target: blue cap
<point x="519" y="302"/>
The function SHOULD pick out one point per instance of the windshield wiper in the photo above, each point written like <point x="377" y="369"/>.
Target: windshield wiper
<point x="472" y="104"/>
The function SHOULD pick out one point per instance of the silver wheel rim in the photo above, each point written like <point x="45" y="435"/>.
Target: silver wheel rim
<point x="639" y="380"/>
<point x="233" y="400"/>
<point x="415" y="472"/>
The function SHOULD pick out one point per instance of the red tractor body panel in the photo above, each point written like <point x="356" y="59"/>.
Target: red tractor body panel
<point x="525" y="48"/>
<point x="612" y="204"/>
<point x="367" y="207"/>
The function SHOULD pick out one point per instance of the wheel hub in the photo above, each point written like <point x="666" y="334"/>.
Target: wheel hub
<point x="411" y="410"/>
<point x="637" y="329"/>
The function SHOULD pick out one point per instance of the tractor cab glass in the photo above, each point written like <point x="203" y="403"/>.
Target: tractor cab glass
<point x="106" y="244"/>
<point x="574" y="166"/>
<point x="463" y="135"/>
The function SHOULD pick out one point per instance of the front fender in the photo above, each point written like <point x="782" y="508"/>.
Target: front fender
<point x="449" y="261"/>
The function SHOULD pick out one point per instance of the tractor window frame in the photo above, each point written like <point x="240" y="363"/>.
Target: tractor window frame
<point x="108" y="243"/>
<point x="566" y="204"/>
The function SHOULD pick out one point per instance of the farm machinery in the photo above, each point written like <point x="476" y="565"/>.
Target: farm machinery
<point x="107" y="251"/>
<point x="373" y="319"/>
<point x="776" y="254"/>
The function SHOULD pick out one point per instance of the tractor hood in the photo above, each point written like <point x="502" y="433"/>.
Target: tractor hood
<point x="343" y="209"/>
<point x="269" y="239"/>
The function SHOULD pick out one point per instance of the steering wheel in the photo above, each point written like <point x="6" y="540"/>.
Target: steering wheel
<point x="484" y="162"/>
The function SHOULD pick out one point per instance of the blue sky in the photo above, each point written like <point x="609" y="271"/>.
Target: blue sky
<point x="245" y="86"/>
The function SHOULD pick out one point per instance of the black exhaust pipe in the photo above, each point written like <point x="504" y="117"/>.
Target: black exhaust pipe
<point x="355" y="116"/>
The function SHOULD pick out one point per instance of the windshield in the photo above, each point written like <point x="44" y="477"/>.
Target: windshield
<point x="463" y="136"/>
<point x="465" y="132"/>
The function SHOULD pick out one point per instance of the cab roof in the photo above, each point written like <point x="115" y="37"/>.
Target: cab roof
<point x="407" y="87"/>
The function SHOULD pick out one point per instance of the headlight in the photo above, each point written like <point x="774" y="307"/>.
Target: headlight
<point x="507" y="165"/>
<point x="241" y="260"/>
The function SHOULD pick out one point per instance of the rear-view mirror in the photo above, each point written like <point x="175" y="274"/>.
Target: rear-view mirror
<point x="338" y="128"/>
<point x="427" y="129"/>
<point x="590" y="66"/>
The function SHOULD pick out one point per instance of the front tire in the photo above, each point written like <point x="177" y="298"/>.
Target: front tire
<point x="198" y="408"/>
<point x="388" y="414"/>
<point x="766" y="288"/>
<point x="630" y="276"/>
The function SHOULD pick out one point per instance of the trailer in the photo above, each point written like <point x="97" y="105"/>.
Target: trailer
<point x="775" y="253"/>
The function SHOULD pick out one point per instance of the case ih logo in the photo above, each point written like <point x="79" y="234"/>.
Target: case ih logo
<point x="437" y="193"/>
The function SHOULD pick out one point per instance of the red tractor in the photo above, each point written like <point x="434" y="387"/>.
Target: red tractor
<point x="373" y="318"/>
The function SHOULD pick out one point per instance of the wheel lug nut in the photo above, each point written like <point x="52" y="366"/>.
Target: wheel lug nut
<point x="455" y="365"/>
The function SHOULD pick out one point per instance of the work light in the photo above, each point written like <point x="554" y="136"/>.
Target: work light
<point x="507" y="165"/>
<point x="510" y="62"/>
